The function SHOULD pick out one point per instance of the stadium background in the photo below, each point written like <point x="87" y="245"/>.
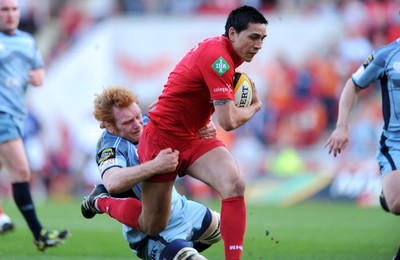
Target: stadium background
<point x="311" y="49"/>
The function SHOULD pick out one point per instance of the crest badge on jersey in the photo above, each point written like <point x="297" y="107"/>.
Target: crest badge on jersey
<point x="107" y="157"/>
<point x="105" y="154"/>
<point x="220" y="66"/>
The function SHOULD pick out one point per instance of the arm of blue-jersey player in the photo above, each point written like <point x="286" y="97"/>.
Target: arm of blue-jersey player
<point x="339" y="138"/>
<point x="118" y="180"/>
<point x="36" y="77"/>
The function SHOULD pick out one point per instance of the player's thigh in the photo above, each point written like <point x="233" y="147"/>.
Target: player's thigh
<point x="219" y="169"/>
<point x="13" y="157"/>
<point x="156" y="206"/>
<point x="391" y="187"/>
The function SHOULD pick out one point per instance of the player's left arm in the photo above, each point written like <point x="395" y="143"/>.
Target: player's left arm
<point x="231" y="117"/>
<point x="36" y="77"/>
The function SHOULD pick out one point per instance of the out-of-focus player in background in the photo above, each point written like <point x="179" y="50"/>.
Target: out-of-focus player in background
<point x="383" y="65"/>
<point x="21" y="65"/>
<point x="201" y="84"/>
<point x="192" y="227"/>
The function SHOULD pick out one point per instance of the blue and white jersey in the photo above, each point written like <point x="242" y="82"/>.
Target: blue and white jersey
<point x="18" y="55"/>
<point x="114" y="151"/>
<point x="384" y="65"/>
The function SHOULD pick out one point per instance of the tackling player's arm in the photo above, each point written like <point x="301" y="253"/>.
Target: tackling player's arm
<point x="118" y="180"/>
<point x="231" y="117"/>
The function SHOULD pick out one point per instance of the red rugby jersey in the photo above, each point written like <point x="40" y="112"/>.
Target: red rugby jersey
<point x="204" y="74"/>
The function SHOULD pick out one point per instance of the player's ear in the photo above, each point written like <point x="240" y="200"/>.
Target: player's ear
<point x="109" y="127"/>
<point x="232" y="34"/>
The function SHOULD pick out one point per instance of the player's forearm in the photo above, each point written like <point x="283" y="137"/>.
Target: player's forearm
<point x="119" y="180"/>
<point x="346" y="103"/>
<point x="244" y="115"/>
<point x="231" y="117"/>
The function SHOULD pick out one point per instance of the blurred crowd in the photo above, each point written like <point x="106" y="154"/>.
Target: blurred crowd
<point x="300" y="105"/>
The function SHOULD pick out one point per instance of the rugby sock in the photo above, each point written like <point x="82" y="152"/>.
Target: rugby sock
<point x="23" y="199"/>
<point x="126" y="210"/>
<point x="233" y="226"/>
<point x="200" y="247"/>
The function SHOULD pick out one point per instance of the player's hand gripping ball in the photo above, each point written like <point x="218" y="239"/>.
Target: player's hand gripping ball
<point x="243" y="89"/>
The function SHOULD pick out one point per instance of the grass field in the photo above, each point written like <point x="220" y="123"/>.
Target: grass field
<point x="313" y="230"/>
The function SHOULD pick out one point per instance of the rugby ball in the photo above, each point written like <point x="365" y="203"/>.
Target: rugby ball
<point x="243" y="89"/>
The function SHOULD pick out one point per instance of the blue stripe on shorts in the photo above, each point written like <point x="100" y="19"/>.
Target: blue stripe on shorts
<point x="388" y="154"/>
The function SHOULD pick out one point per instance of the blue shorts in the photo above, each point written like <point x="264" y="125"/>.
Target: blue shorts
<point x="186" y="222"/>
<point x="10" y="127"/>
<point x="388" y="153"/>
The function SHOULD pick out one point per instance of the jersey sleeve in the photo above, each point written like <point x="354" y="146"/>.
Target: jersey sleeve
<point x="38" y="59"/>
<point x="371" y="70"/>
<point x="35" y="55"/>
<point x="112" y="153"/>
<point x="218" y="72"/>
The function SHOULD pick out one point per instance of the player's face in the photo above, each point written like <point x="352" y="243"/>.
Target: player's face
<point x="128" y="123"/>
<point x="248" y="42"/>
<point x="9" y="16"/>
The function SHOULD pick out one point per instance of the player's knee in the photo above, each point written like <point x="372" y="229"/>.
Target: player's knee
<point x="394" y="206"/>
<point x="238" y="187"/>
<point x="20" y="174"/>
<point x="180" y="250"/>
<point x="233" y="187"/>
<point x="152" y="228"/>
<point x="390" y="203"/>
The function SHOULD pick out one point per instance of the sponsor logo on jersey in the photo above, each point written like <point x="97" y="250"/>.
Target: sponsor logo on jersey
<point x="105" y="154"/>
<point x="368" y="60"/>
<point x="396" y="66"/>
<point x="222" y="90"/>
<point x="220" y="66"/>
<point x="103" y="165"/>
<point x="359" y="72"/>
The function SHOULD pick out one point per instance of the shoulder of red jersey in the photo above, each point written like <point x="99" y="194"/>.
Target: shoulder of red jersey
<point x="215" y="55"/>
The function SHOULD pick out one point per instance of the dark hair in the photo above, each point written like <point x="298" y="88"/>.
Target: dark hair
<point x="241" y="17"/>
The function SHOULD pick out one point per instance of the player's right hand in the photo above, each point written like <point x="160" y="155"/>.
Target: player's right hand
<point x="255" y="101"/>
<point x="337" y="141"/>
<point x="167" y="160"/>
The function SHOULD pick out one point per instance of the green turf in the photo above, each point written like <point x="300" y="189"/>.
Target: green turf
<point x="315" y="230"/>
